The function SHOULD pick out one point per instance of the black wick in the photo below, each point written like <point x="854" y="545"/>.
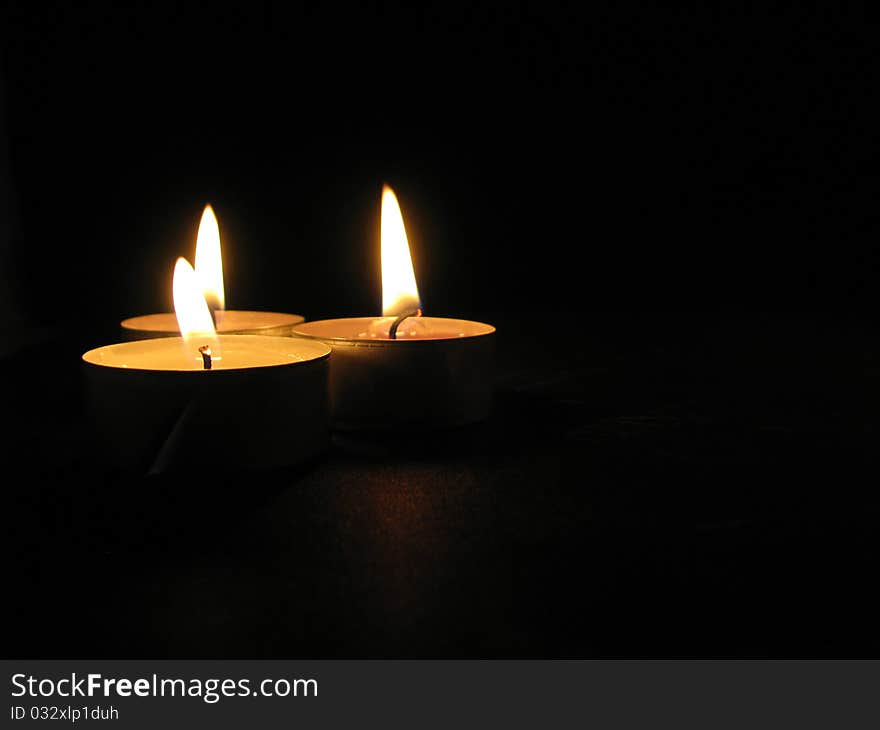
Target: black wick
<point x="392" y="333"/>
<point x="205" y="352"/>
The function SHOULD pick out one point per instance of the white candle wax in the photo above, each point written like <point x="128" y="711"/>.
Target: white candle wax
<point x="377" y="328"/>
<point x="231" y="352"/>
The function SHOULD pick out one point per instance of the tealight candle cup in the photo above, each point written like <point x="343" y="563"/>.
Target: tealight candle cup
<point x="263" y="404"/>
<point x="227" y="322"/>
<point x="438" y="374"/>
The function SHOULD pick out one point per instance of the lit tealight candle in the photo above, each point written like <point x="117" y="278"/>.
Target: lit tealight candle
<point x="204" y="397"/>
<point x="404" y="370"/>
<point x="209" y="271"/>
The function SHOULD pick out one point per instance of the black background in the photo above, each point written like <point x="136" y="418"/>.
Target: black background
<point x="670" y="215"/>
<point x="547" y="157"/>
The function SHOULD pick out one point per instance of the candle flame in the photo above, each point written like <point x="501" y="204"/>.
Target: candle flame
<point x="399" y="290"/>
<point x="209" y="260"/>
<point x="193" y="315"/>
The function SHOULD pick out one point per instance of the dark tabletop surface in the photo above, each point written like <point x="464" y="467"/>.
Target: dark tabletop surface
<point x="648" y="485"/>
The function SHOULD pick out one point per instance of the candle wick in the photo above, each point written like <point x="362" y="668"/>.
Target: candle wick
<point x="392" y="333"/>
<point x="205" y="352"/>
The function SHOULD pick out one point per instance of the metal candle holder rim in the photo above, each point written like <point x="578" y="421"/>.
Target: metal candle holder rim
<point x="126" y="323"/>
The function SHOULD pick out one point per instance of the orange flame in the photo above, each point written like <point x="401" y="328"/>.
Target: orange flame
<point x="399" y="290"/>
